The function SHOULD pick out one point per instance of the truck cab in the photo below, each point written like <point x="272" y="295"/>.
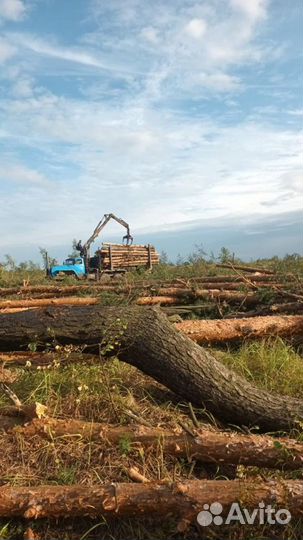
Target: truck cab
<point x="73" y="266"/>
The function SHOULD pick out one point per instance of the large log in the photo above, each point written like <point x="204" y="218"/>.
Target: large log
<point x="210" y="331"/>
<point x="145" y="338"/>
<point x="180" y="499"/>
<point x="208" y="446"/>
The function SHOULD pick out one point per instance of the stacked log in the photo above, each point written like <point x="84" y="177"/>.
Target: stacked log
<point x="119" y="256"/>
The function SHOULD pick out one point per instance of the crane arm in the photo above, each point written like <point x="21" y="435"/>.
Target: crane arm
<point x="106" y="218"/>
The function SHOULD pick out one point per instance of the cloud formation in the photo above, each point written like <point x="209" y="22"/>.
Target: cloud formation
<point x="12" y="10"/>
<point x="167" y="113"/>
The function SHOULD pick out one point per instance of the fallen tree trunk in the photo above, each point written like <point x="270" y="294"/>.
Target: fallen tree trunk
<point x="216" y="331"/>
<point x="218" y="278"/>
<point x="224" y="296"/>
<point x="37" y="289"/>
<point x="35" y="359"/>
<point x="26" y="412"/>
<point x="16" y="309"/>
<point x="222" y="283"/>
<point x="246" y="268"/>
<point x="145" y="338"/>
<point x="43" y="302"/>
<point x="9" y="422"/>
<point x="180" y="499"/>
<point x="208" y="446"/>
<point x="157" y="300"/>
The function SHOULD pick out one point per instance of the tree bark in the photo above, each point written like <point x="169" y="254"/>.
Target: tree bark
<point x="218" y="331"/>
<point x="208" y="446"/>
<point x="181" y="499"/>
<point x="9" y="422"/>
<point x="145" y="338"/>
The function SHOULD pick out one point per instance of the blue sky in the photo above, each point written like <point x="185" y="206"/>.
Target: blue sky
<point x="181" y="116"/>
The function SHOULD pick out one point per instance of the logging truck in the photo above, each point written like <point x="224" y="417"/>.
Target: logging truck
<point x="110" y="258"/>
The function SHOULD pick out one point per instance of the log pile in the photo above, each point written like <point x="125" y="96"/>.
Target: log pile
<point x="168" y="352"/>
<point x="119" y="256"/>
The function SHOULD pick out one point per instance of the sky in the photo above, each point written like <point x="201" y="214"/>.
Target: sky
<point x="183" y="117"/>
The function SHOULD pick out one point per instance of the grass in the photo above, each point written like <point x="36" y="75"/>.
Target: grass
<point x="270" y="364"/>
<point x="106" y="392"/>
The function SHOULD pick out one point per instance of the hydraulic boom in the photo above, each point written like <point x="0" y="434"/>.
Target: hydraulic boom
<point x="127" y="238"/>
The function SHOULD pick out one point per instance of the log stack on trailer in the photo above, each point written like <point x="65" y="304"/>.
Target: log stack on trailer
<point x="125" y="257"/>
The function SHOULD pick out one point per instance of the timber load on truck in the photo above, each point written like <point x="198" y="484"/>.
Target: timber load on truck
<point x="121" y="256"/>
<point x="111" y="258"/>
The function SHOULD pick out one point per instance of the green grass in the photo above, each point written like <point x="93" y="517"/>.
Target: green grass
<point x="270" y="364"/>
<point x="105" y="391"/>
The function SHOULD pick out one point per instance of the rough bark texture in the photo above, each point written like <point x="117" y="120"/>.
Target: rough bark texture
<point x="209" y="446"/>
<point x="181" y="499"/>
<point x="149" y="342"/>
<point x="209" y="331"/>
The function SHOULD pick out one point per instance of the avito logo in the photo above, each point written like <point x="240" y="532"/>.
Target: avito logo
<point x="211" y="514"/>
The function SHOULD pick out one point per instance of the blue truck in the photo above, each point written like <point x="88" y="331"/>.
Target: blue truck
<point x="85" y="265"/>
<point x="73" y="266"/>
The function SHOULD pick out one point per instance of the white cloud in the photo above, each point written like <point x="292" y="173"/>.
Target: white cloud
<point x="23" y="87"/>
<point x="6" y="50"/>
<point x="150" y="34"/>
<point x="196" y="28"/>
<point x="21" y="174"/>
<point x="253" y="9"/>
<point x="13" y="10"/>
<point x="219" y="81"/>
<point x="77" y="55"/>
<point x="161" y="171"/>
<point x="156" y="137"/>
